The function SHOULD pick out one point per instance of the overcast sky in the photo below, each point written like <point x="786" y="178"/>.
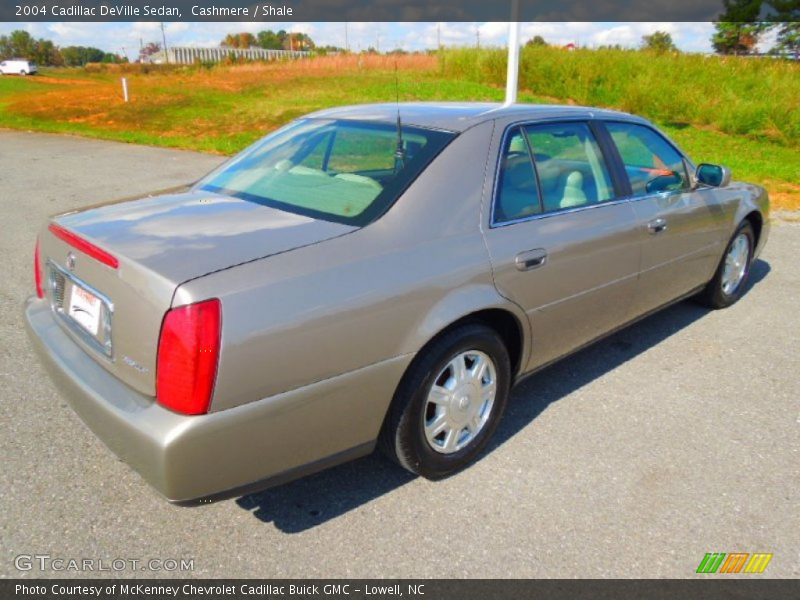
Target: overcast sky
<point x="112" y="37"/>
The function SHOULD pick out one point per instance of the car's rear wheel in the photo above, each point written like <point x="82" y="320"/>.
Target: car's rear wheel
<point x="449" y="402"/>
<point x="23" y="72"/>
<point x="731" y="276"/>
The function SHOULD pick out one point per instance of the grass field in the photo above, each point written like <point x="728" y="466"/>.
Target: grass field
<point x="727" y="118"/>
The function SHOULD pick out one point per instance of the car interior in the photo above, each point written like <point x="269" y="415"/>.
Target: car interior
<point x="572" y="178"/>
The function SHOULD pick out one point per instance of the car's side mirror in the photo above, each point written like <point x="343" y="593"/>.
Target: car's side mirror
<point x="713" y="175"/>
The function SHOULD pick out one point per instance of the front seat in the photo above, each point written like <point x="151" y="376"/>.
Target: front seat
<point x="573" y="191"/>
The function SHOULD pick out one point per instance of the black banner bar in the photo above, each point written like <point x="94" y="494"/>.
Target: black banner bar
<point x="722" y="587"/>
<point x="383" y="10"/>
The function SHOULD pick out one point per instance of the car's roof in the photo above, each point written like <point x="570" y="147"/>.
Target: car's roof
<point x="460" y="116"/>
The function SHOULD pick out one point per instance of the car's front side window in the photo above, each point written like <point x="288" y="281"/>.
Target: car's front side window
<point x="651" y="162"/>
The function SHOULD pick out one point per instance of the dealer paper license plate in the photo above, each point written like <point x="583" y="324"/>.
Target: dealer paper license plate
<point x="84" y="307"/>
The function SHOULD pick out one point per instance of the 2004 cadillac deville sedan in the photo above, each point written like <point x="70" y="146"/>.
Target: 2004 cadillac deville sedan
<point x="356" y="278"/>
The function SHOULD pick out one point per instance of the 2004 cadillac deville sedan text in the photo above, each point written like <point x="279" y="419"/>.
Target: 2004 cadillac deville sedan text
<point x="354" y="279"/>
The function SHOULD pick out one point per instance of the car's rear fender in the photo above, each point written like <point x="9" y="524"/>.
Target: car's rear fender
<point x="379" y="292"/>
<point x="463" y="303"/>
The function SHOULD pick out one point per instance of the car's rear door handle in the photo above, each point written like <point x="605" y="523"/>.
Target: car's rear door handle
<point x="531" y="259"/>
<point x="657" y="225"/>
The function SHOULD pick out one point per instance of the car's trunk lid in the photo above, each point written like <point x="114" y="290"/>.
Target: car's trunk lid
<point x="186" y="235"/>
<point x="159" y="243"/>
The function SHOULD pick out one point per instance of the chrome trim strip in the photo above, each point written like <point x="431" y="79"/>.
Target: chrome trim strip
<point x="106" y="350"/>
<point x="682" y="257"/>
<point x="608" y="284"/>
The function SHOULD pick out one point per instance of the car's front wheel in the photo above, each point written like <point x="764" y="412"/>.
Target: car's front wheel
<point x="449" y="402"/>
<point x="733" y="271"/>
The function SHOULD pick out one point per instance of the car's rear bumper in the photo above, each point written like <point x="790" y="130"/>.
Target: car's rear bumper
<point x="195" y="458"/>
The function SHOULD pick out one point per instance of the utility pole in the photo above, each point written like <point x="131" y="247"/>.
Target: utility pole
<point x="346" y="43"/>
<point x="439" y="36"/>
<point x="164" y="39"/>
<point x="378" y="42"/>
<point x="512" y="74"/>
<point x="477" y="38"/>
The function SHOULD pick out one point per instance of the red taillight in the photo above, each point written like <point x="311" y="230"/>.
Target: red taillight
<point x="86" y="247"/>
<point x="188" y="351"/>
<point x="37" y="271"/>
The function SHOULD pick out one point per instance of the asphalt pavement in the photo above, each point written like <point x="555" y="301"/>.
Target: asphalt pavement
<point x="673" y="438"/>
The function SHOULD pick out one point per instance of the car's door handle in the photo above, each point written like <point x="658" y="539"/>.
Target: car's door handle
<point x="657" y="225"/>
<point x="531" y="259"/>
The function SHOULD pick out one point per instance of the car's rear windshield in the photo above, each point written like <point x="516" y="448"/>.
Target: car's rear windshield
<point x="338" y="170"/>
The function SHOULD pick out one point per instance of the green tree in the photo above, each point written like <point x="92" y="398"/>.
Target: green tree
<point x="536" y="40"/>
<point x="78" y="56"/>
<point x="20" y="44"/>
<point x="658" y="41"/>
<point x="5" y="47"/>
<point x="112" y="57"/>
<point x="738" y="29"/>
<point x="47" y="53"/>
<point x="72" y="56"/>
<point x="269" y="40"/>
<point x="23" y="43"/>
<point x="736" y="38"/>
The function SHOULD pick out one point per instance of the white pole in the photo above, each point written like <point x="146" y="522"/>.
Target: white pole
<point x="125" y="89"/>
<point x="512" y="76"/>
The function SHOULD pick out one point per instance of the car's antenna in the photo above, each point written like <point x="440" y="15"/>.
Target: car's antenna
<point x="399" y="153"/>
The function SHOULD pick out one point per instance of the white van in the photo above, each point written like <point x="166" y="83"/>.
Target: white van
<point x="17" y="66"/>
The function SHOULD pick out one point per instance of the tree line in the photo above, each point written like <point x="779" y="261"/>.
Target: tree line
<point x="275" y="40"/>
<point x="740" y="28"/>
<point x="21" y="44"/>
<point x="744" y="23"/>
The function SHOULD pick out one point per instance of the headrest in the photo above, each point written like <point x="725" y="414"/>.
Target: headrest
<point x="575" y="180"/>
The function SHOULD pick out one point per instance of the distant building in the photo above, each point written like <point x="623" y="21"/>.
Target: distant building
<point x="187" y="55"/>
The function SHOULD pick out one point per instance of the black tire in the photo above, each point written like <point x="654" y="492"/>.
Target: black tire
<point x="23" y="72"/>
<point x="403" y="435"/>
<point x="713" y="295"/>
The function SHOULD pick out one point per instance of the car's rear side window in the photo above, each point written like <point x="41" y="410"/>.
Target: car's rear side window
<point x="518" y="191"/>
<point x="550" y="167"/>
<point x="651" y="162"/>
<point x="571" y="168"/>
